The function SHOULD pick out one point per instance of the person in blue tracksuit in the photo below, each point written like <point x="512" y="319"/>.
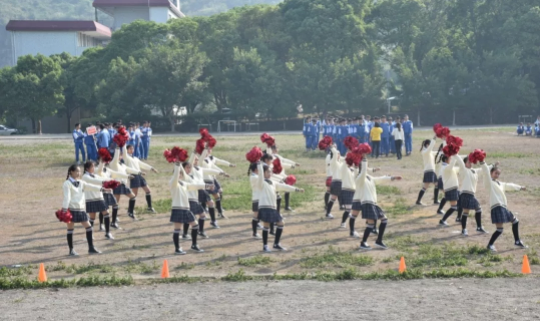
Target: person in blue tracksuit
<point x="392" y="124"/>
<point x="144" y="140"/>
<point x="408" y="131"/>
<point x="528" y="130"/>
<point x="103" y="137"/>
<point x="90" y="142"/>
<point x="137" y="152"/>
<point x="316" y="133"/>
<point x="131" y="132"/>
<point x="306" y="131"/>
<point x="78" y="138"/>
<point x="343" y="133"/>
<point x="520" y="129"/>
<point x="362" y="131"/>
<point x="385" y="137"/>
<point x="368" y="126"/>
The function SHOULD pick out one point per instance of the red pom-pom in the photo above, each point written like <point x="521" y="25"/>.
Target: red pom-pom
<point x="64" y="217"/>
<point x="329" y="181"/>
<point x="363" y="149"/>
<point x="436" y="127"/>
<point x="264" y="137"/>
<point x="111" y="184"/>
<point x="350" y="142"/>
<point x="121" y="137"/>
<point x="270" y="141"/>
<point x="277" y="166"/>
<point x="199" y="147"/>
<point x="325" y="142"/>
<point x="353" y="158"/>
<point x="167" y="155"/>
<point x="204" y="133"/>
<point x="442" y="132"/>
<point x="211" y="141"/>
<point x="450" y="150"/>
<point x="179" y="154"/>
<point x="104" y="155"/>
<point x="254" y="155"/>
<point x="477" y="156"/>
<point x="290" y="180"/>
<point x="454" y="140"/>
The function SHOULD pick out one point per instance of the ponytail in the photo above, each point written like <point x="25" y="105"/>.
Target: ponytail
<point x="71" y="169"/>
<point x="427" y="141"/>
<point x="438" y="152"/>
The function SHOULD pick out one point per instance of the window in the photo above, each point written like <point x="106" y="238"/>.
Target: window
<point x="86" y="41"/>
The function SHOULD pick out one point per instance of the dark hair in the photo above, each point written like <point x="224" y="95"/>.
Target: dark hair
<point x="71" y="168"/>
<point x="377" y="124"/>
<point x="129" y="146"/>
<point x="88" y="165"/>
<point x="77" y="125"/>
<point x="398" y="126"/>
<point x="494" y="168"/>
<point x="185" y="164"/>
<point x="252" y="167"/>
<point x="266" y="157"/>
<point x="265" y="168"/>
<point x="102" y="126"/>
<point x="438" y="152"/>
<point x="443" y="158"/>
<point x="466" y="159"/>
<point x="424" y="143"/>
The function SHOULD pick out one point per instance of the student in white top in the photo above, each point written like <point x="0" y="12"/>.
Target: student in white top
<point x="451" y="185"/>
<point x="217" y="193"/>
<point x="335" y="186"/>
<point x="75" y="201"/>
<point x="116" y="166"/>
<point x="138" y="180"/>
<point x="497" y="201"/>
<point x="286" y="163"/>
<point x="399" y="136"/>
<point x="95" y="202"/>
<point x="253" y="173"/>
<point x="430" y="178"/>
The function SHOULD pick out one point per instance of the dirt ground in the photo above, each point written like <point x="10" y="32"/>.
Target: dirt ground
<point x="449" y="300"/>
<point x="32" y="173"/>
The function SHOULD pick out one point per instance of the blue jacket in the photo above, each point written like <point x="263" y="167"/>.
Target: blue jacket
<point x="89" y="140"/>
<point x="104" y="138"/>
<point x="386" y="130"/>
<point x="316" y="129"/>
<point x="361" y="132"/>
<point x="144" y="132"/>
<point x="407" y="127"/>
<point x="78" y="136"/>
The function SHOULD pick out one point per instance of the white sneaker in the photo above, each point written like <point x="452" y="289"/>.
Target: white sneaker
<point x="343" y="225"/>
<point x="355" y="235"/>
<point x="492" y="248"/>
<point x="329" y="216"/>
<point x="266" y="249"/>
<point x="464" y="232"/>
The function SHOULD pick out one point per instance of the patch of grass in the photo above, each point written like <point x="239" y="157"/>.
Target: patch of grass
<point x="15" y="272"/>
<point x="335" y="258"/>
<point x="239" y="276"/>
<point x="217" y="261"/>
<point x="149" y="268"/>
<point x="256" y="260"/>
<point x="429" y="255"/>
<point x="530" y="171"/>
<point x="22" y="283"/>
<point x="399" y="208"/>
<point x="532" y="255"/>
<point x="185" y="266"/>
<point x="502" y="155"/>
<point x="404" y="243"/>
<point x="388" y="190"/>
<point x="179" y="279"/>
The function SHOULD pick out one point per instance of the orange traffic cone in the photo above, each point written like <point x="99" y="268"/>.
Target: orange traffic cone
<point x="526" y="269"/>
<point x="42" y="277"/>
<point x="165" y="270"/>
<point x="402" y="266"/>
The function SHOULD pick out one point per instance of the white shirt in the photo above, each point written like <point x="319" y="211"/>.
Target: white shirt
<point x="496" y="189"/>
<point x="74" y="198"/>
<point x="398" y="134"/>
<point x="180" y="189"/>
<point x="366" y="192"/>
<point x="428" y="156"/>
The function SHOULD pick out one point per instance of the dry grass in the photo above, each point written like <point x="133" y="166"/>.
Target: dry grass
<point x="31" y="174"/>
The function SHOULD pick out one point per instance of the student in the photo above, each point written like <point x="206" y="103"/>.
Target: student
<point x="149" y="133"/>
<point x="90" y="142"/>
<point x="392" y="125"/>
<point x="528" y="130"/>
<point x="78" y="138"/>
<point x="362" y="131"/>
<point x="144" y="140"/>
<point x="110" y="200"/>
<point x="537" y="130"/>
<point x="75" y="202"/>
<point x="375" y="139"/>
<point x="520" y="129"/>
<point x="398" y="137"/>
<point x="365" y="200"/>
<point x="451" y="185"/>
<point x="335" y="187"/>
<point x="116" y="166"/>
<point x="267" y="205"/>
<point x="217" y="193"/>
<point x="428" y="156"/>
<point x="498" y="204"/>
<point x="315" y="134"/>
<point x="307" y="133"/>
<point x="180" y="212"/>
<point x="253" y="174"/>
<point x="408" y="130"/>
<point x="385" y="136"/>
<point x="348" y="187"/>
<point x="467" y="198"/>
<point x="95" y="203"/>
<point x="103" y="137"/>
<point x="138" y="180"/>
<point x="285" y="163"/>
<point x="137" y="148"/>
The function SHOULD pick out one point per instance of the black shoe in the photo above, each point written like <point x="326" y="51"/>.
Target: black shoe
<point x="214" y="224"/>
<point x="440" y="212"/>
<point x="375" y="232"/>
<point x="266" y="249"/>
<point x="365" y="246"/>
<point x="443" y="223"/>
<point x="109" y="236"/>
<point x="203" y="235"/>
<point x="458" y="219"/>
<point x="196" y="248"/>
<point x="73" y="253"/>
<point x="256" y="236"/>
<point x="115" y="225"/>
<point x="521" y="245"/>
<point x="221" y="215"/>
<point x="179" y="252"/>
<point x="420" y="203"/>
<point x="151" y="210"/>
<point x="279" y="247"/>
<point x="94" y="251"/>
<point x="481" y="230"/>
<point x="288" y="209"/>
<point x="132" y="215"/>
<point x="186" y="237"/>
<point x="464" y="232"/>
<point x="436" y="203"/>
<point x="381" y="245"/>
<point x="272" y="233"/>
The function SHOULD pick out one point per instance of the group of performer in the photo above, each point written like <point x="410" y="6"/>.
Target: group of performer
<point x="196" y="191"/>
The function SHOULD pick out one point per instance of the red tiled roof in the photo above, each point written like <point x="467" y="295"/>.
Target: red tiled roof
<point x="53" y="25"/>
<point x="147" y="3"/>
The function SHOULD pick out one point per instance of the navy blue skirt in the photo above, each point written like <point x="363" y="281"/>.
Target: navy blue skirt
<point x="182" y="216"/>
<point x="469" y="201"/>
<point x="452" y="195"/>
<point x="122" y="190"/>
<point x="335" y="188"/>
<point x="347" y="197"/>
<point x="137" y="182"/>
<point x="430" y="177"/>
<point x="79" y="216"/>
<point x="371" y="212"/>
<point x="204" y="197"/>
<point x="217" y="186"/>
<point x="255" y="206"/>
<point x="195" y="208"/>
<point x="109" y="199"/>
<point x="357" y="206"/>
<point x="440" y="184"/>
<point x="501" y="215"/>
<point x="96" y="206"/>
<point x="269" y="215"/>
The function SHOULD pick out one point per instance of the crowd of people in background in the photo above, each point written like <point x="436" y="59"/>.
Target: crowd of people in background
<point x="530" y="129"/>
<point x="384" y="134"/>
<point x="87" y="144"/>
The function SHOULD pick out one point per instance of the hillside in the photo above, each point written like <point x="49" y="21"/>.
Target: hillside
<point x="82" y="9"/>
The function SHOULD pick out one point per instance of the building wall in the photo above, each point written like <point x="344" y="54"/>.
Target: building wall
<point x="45" y="43"/>
<point x="159" y="14"/>
<point x="123" y="15"/>
<point x="52" y="124"/>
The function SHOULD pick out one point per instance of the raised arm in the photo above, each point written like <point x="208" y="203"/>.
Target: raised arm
<point x="87" y="187"/>
<point x="486" y="177"/>
<point x="96" y="180"/>
<point x="260" y="176"/>
<point x="173" y="182"/>
<point x="212" y="171"/>
<point x="187" y="178"/>
<point x="116" y="174"/>
<point x="194" y="186"/>
<point x="511" y="187"/>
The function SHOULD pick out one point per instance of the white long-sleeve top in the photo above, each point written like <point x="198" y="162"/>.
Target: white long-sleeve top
<point x="496" y="189"/>
<point x="210" y="162"/>
<point x="428" y="156"/>
<point x="335" y="165"/>
<point x="328" y="162"/>
<point x="348" y="175"/>
<point x="95" y="180"/>
<point x="267" y="190"/>
<point x="74" y="198"/>
<point x="180" y="189"/>
<point x="135" y="163"/>
<point x="398" y="134"/>
<point x="468" y="177"/>
<point x="366" y="191"/>
<point x="255" y="191"/>
<point x="450" y="174"/>
<point x="116" y="166"/>
<point x="193" y="194"/>
<point x="108" y="173"/>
